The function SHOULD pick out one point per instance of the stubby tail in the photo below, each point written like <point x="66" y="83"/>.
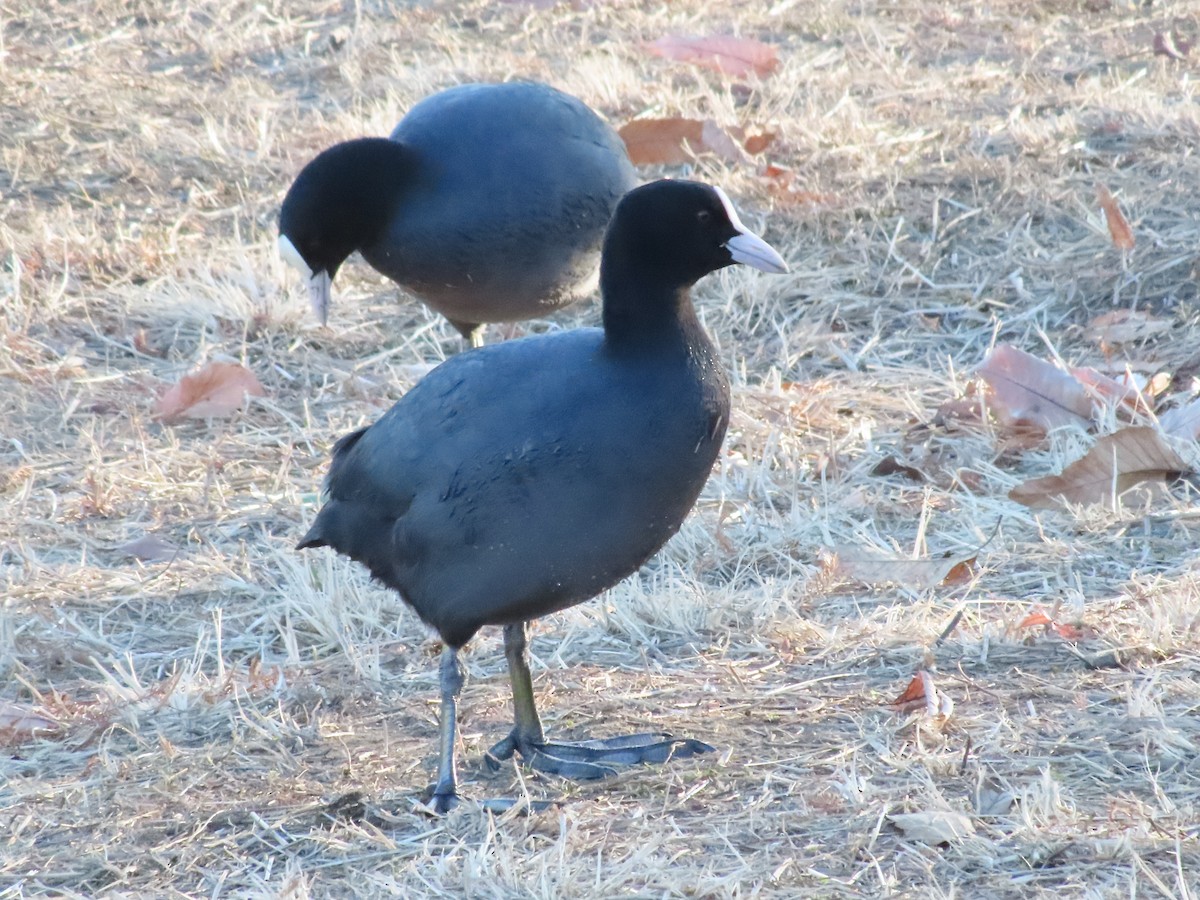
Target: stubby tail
<point x="314" y="537"/>
<point x="319" y="535"/>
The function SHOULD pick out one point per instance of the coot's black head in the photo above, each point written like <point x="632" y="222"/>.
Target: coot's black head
<point x="339" y="202"/>
<point x="665" y="236"/>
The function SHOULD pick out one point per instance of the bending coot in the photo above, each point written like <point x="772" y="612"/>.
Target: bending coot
<point x="525" y="477"/>
<point x="488" y="202"/>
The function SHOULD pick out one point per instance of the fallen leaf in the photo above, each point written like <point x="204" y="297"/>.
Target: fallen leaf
<point x="1125" y="326"/>
<point x="734" y="56"/>
<point x="993" y="800"/>
<point x="1025" y="391"/>
<point x="716" y="139"/>
<point x="1182" y="421"/>
<point x="1167" y="44"/>
<point x="1118" y="225"/>
<point x="218" y="389"/>
<point x="673" y="141"/>
<point x="19" y="722"/>
<point x="934" y="827"/>
<point x="150" y="548"/>
<point x="918" y="574"/>
<point x="914" y="692"/>
<point x="1123" y="393"/>
<point x="757" y="143"/>
<point x="1069" y="632"/>
<point x="1115" y="463"/>
<point x="1037" y="617"/>
<point x="889" y="465"/>
<point x="962" y="573"/>
<point x="958" y="409"/>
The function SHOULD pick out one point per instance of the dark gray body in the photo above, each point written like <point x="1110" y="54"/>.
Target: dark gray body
<point x="526" y="477"/>
<point x="510" y="190"/>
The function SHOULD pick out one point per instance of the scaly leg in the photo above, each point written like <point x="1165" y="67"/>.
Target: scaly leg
<point x="581" y="761"/>
<point x="445" y="792"/>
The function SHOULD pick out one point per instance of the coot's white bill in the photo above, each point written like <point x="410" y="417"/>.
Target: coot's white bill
<point x="319" y="283"/>
<point x="748" y="248"/>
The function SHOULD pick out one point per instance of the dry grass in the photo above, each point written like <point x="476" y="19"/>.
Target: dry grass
<point x="213" y="707"/>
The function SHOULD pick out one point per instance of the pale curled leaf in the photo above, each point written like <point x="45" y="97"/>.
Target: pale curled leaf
<point x="1125" y="326"/>
<point x="992" y="800"/>
<point x="217" y="389"/>
<point x="1118" y="226"/>
<point x="150" y="548"/>
<point x="1182" y="421"/>
<point x="934" y="827"/>
<point x="734" y="56"/>
<point x="1113" y="465"/>
<point x="1167" y="43"/>
<point x="852" y="564"/>
<point x="19" y="722"/>
<point x="1026" y="391"/>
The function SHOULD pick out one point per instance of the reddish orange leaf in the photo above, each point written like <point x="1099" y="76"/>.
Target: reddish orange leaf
<point x="217" y="389"/>
<point x="734" y="56"/>
<point x="913" y="693"/>
<point x="757" y="143"/>
<point x="659" y="142"/>
<point x="1035" y="618"/>
<point x="1118" y="225"/>
<point x="1069" y="632"/>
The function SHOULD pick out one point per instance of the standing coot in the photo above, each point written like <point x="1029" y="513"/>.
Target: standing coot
<point x="488" y="202"/>
<point x="525" y="477"/>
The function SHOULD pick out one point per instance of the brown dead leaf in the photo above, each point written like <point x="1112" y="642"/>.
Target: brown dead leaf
<point x="150" y="548"/>
<point x="851" y="564"/>
<point x="962" y="573"/>
<point x="1118" y="225"/>
<point x="1125" y="326"/>
<point x="1025" y="391"/>
<point x="218" y="389"/>
<point x="1125" y="393"/>
<point x="935" y="827"/>
<point x="19" y="722"/>
<point x="733" y="56"/>
<point x="673" y="141"/>
<point x="1115" y="463"/>
<point x="889" y="465"/>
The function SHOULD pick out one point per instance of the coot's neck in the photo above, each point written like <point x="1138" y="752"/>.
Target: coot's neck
<point x="644" y="310"/>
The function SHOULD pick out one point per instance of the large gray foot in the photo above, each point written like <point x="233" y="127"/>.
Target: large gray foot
<point x="594" y="759"/>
